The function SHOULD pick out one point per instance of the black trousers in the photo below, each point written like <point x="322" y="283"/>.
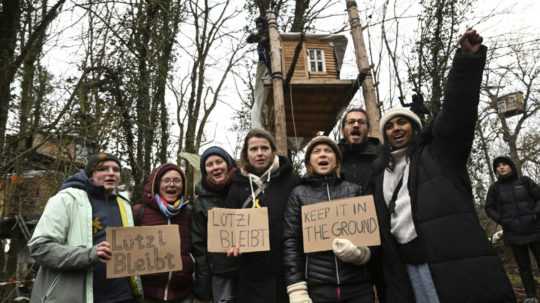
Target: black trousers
<point x="523" y="260"/>
<point x="350" y="293"/>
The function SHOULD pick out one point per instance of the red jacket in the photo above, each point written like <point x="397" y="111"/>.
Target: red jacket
<point x="178" y="284"/>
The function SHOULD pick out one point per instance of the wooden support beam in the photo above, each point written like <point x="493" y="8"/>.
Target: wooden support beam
<point x="280" y="127"/>
<point x="368" y="89"/>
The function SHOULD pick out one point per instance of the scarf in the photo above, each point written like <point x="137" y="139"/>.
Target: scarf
<point x="260" y="180"/>
<point x="167" y="209"/>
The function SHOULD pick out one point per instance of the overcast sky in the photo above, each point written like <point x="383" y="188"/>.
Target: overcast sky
<point x="514" y="17"/>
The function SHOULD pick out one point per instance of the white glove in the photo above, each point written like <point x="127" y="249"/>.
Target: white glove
<point x="346" y="251"/>
<point x="298" y="293"/>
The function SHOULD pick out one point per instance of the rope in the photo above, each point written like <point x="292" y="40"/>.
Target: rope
<point x="359" y="81"/>
<point x="292" y="116"/>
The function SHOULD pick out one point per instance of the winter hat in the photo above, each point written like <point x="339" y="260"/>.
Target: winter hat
<point x="256" y="133"/>
<point x="502" y="159"/>
<point x="216" y="151"/>
<point x="322" y="140"/>
<point x="162" y="170"/>
<point x="399" y="111"/>
<point x="94" y="160"/>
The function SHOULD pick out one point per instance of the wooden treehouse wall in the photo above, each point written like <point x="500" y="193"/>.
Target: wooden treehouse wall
<point x="302" y="69"/>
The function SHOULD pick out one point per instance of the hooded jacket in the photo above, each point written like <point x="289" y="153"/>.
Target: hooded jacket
<point x="62" y="245"/>
<point x="463" y="265"/>
<point x="356" y="166"/>
<point x="173" y="285"/>
<point x="513" y="201"/>
<point x="319" y="268"/>
<point x="254" y="267"/>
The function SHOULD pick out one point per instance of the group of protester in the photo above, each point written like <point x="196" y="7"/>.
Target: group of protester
<point x="433" y="248"/>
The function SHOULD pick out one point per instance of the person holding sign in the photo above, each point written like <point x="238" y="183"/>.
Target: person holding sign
<point x="264" y="180"/>
<point x="69" y="240"/>
<point x="513" y="201"/>
<point x="433" y="246"/>
<point x="163" y="203"/>
<point x="339" y="275"/>
<point x="215" y="275"/>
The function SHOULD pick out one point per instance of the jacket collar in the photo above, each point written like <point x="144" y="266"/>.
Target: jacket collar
<point x="317" y="180"/>
<point x="369" y="147"/>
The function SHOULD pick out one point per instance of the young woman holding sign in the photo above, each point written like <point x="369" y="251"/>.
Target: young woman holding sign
<point x="339" y="275"/>
<point x="163" y="203"/>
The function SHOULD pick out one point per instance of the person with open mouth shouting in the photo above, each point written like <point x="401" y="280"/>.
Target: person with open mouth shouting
<point x="339" y="275"/>
<point x="433" y="246"/>
<point x="164" y="203"/>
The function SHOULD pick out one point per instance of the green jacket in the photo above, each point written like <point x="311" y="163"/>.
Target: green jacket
<point x="62" y="246"/>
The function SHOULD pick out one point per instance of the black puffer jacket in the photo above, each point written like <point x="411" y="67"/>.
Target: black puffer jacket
<point x="319" y="268"/>
<point x="463" y="265"/>
<point x="514" y="202"/>
<point x="206" y="200"/>
<point x="256" y="270"/>
<point x="356" y="166"/>
<point x="207" y="264"/>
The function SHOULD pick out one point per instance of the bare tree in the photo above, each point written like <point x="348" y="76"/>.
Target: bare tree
<point x="10" y="58"/>
<point x="199" y="92"/>
<point x="521" y="73"/>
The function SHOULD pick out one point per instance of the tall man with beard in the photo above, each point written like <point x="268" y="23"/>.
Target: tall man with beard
<point x="358" y="149"/>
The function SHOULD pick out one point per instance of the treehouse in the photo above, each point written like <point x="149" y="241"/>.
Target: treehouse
<point x="314" y="94"/>
<point x="50" y="158"/>
<point x="511" y="104"/>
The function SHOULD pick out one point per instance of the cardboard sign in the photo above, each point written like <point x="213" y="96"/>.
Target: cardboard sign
<point x="246" y="228"/>
<point x="354" y="219"/>
<point x="143" y="250"/>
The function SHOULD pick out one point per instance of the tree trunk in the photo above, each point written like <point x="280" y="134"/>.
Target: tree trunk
<point x="368" y="88"/>
<point x="9" y="28"/>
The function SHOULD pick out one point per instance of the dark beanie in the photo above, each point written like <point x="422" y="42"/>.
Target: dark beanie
<point x="502" y="159"/>
<point x="216" y="151"/>
<point x="94" y="160"/>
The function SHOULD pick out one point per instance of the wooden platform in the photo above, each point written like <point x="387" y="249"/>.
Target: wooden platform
<point x="316" y="106"/>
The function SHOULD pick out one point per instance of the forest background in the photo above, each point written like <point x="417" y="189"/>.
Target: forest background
<point x="156" y="80"/>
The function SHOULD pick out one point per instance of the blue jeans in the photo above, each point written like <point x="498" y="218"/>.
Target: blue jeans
<point x="422" y="283"/>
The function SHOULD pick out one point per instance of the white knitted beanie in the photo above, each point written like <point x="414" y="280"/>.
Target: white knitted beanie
<point x="399" y="111"/>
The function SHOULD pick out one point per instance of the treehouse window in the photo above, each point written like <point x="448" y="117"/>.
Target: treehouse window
<point x="316" y="60"/>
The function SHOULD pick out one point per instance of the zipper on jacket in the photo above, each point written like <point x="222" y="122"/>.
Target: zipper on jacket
<point x="50" y="288"/>
<point x="338" y="288"/>
<point x="166" y="292"/>
<point x="306" y="268"/>
<point x="328" y="191"/>
<point x="169" y="278"/>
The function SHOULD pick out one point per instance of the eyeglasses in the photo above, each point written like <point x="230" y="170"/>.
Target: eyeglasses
<point x="174" y="181"/>
<point x="351" y="122"/>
